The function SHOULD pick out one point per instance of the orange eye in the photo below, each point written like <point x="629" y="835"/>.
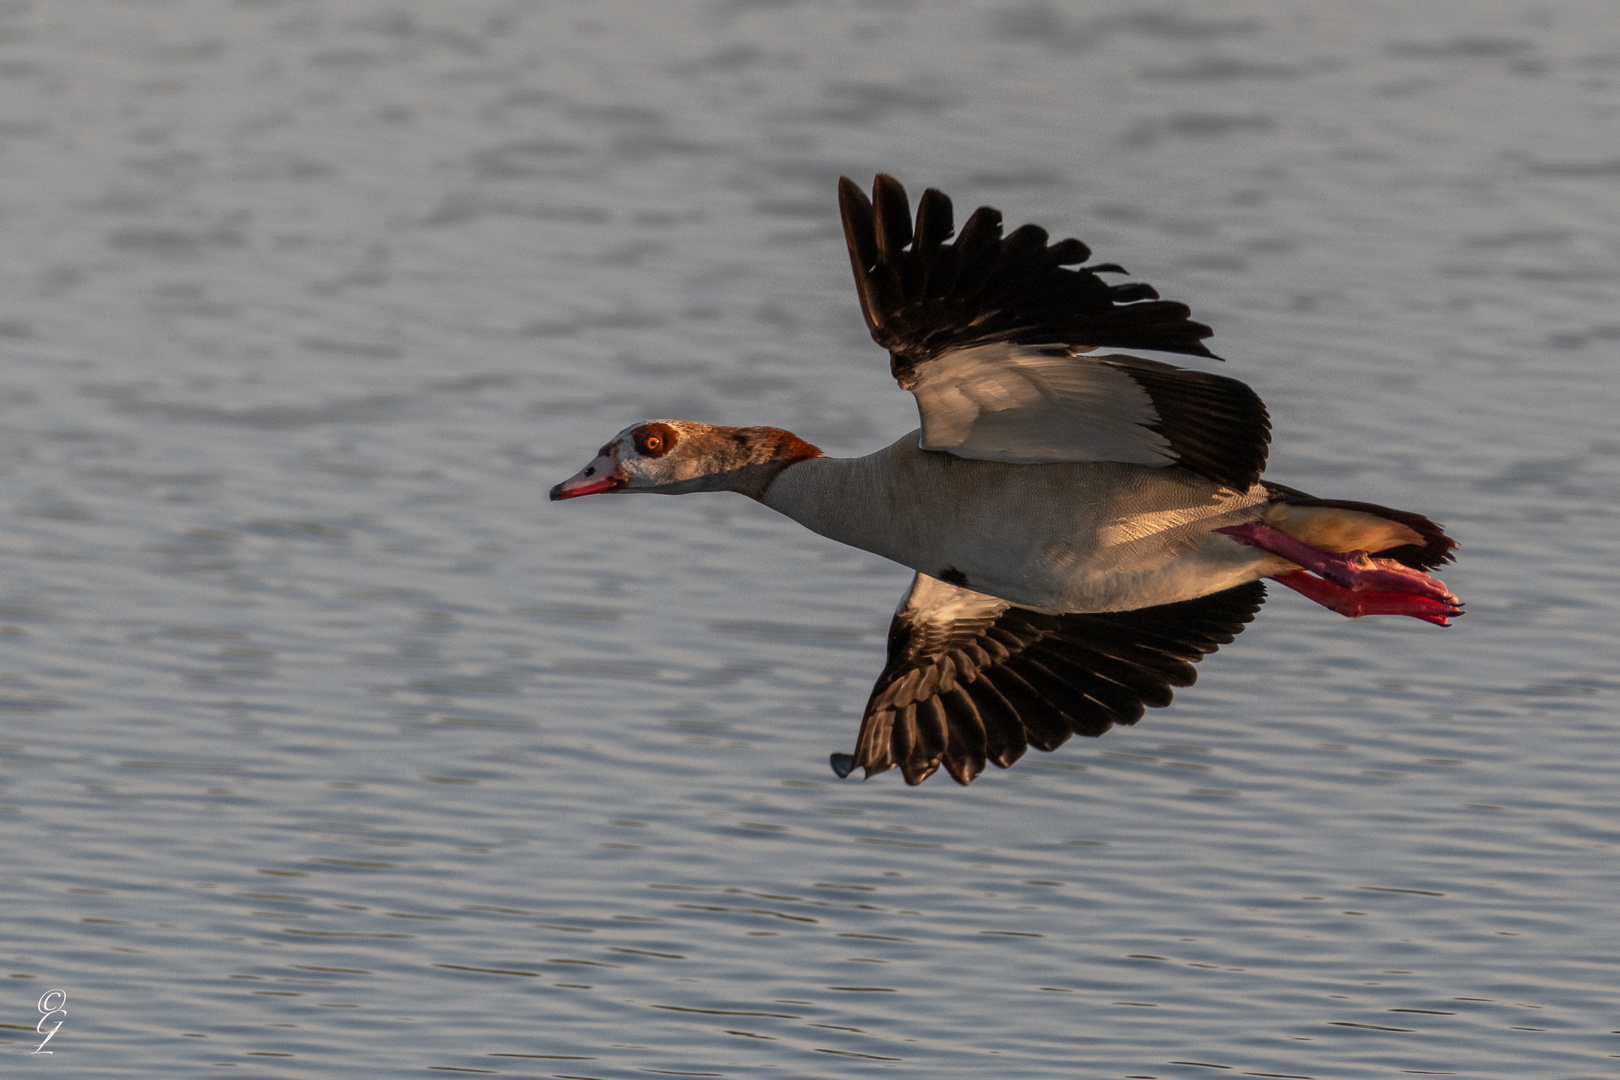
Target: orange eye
<point x="653" y="440"/>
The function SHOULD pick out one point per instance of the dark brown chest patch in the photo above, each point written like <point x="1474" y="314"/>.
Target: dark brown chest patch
<point x="952" y="576"/>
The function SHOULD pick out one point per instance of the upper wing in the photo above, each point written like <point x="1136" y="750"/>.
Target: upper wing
<point x="987" y="333"/>
<point x="971" y="678"/>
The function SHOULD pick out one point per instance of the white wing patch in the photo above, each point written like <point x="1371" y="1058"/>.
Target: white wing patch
<point x="940" y="604"/>
<point x="1020" y="403"/>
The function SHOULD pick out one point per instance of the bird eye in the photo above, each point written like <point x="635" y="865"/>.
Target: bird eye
<point x="653" y="440"/>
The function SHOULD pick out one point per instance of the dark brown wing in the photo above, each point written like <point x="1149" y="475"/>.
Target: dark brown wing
<point x="972" y="679"/>
<point x="971" y="326"/>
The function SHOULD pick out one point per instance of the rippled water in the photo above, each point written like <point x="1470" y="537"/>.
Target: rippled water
<point x="332" y="748"/>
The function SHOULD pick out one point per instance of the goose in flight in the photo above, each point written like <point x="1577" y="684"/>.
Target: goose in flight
<point x="1085" y="525"/>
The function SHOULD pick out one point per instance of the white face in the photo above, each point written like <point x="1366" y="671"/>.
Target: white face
<point x="636" y="459"/>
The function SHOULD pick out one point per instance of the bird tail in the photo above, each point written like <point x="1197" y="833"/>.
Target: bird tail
<point x="1339" y="525"/>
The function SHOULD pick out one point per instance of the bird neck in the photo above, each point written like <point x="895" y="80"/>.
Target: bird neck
<point x="745" y="459"/>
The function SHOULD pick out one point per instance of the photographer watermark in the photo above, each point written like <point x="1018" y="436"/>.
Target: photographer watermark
<point x="52" y="1003"/>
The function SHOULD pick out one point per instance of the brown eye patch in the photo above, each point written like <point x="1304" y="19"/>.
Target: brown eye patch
<point x="653" y="440"/>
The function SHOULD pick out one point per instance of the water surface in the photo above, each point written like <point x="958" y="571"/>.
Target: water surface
<point x="332" y="748"/>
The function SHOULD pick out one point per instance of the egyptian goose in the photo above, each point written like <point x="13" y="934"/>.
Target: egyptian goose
<point x="1084" y="526"/>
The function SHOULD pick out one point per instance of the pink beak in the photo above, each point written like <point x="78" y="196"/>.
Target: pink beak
<point x="593" y="479"/>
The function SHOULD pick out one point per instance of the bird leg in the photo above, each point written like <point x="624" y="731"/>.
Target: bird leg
<point x="1358" y="602"/>
<point x="1352" y="583"/>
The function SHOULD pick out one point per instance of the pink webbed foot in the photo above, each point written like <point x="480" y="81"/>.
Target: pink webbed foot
<point x="1353" y="583"/>
<point x="1358" y="602"/>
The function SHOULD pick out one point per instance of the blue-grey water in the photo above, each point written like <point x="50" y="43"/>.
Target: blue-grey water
<point x="331" y="748"/>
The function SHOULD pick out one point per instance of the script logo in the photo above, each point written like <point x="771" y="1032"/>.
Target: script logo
<point x="51" y="1003"/>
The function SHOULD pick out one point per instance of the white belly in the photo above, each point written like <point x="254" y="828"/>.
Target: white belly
<point x="1060" y="537"/>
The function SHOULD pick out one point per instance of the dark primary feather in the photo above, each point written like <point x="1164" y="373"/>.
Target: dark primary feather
<point x="1217" y="427"/>
<point x="986" y="687"/>
<point x="923" y="298"/>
